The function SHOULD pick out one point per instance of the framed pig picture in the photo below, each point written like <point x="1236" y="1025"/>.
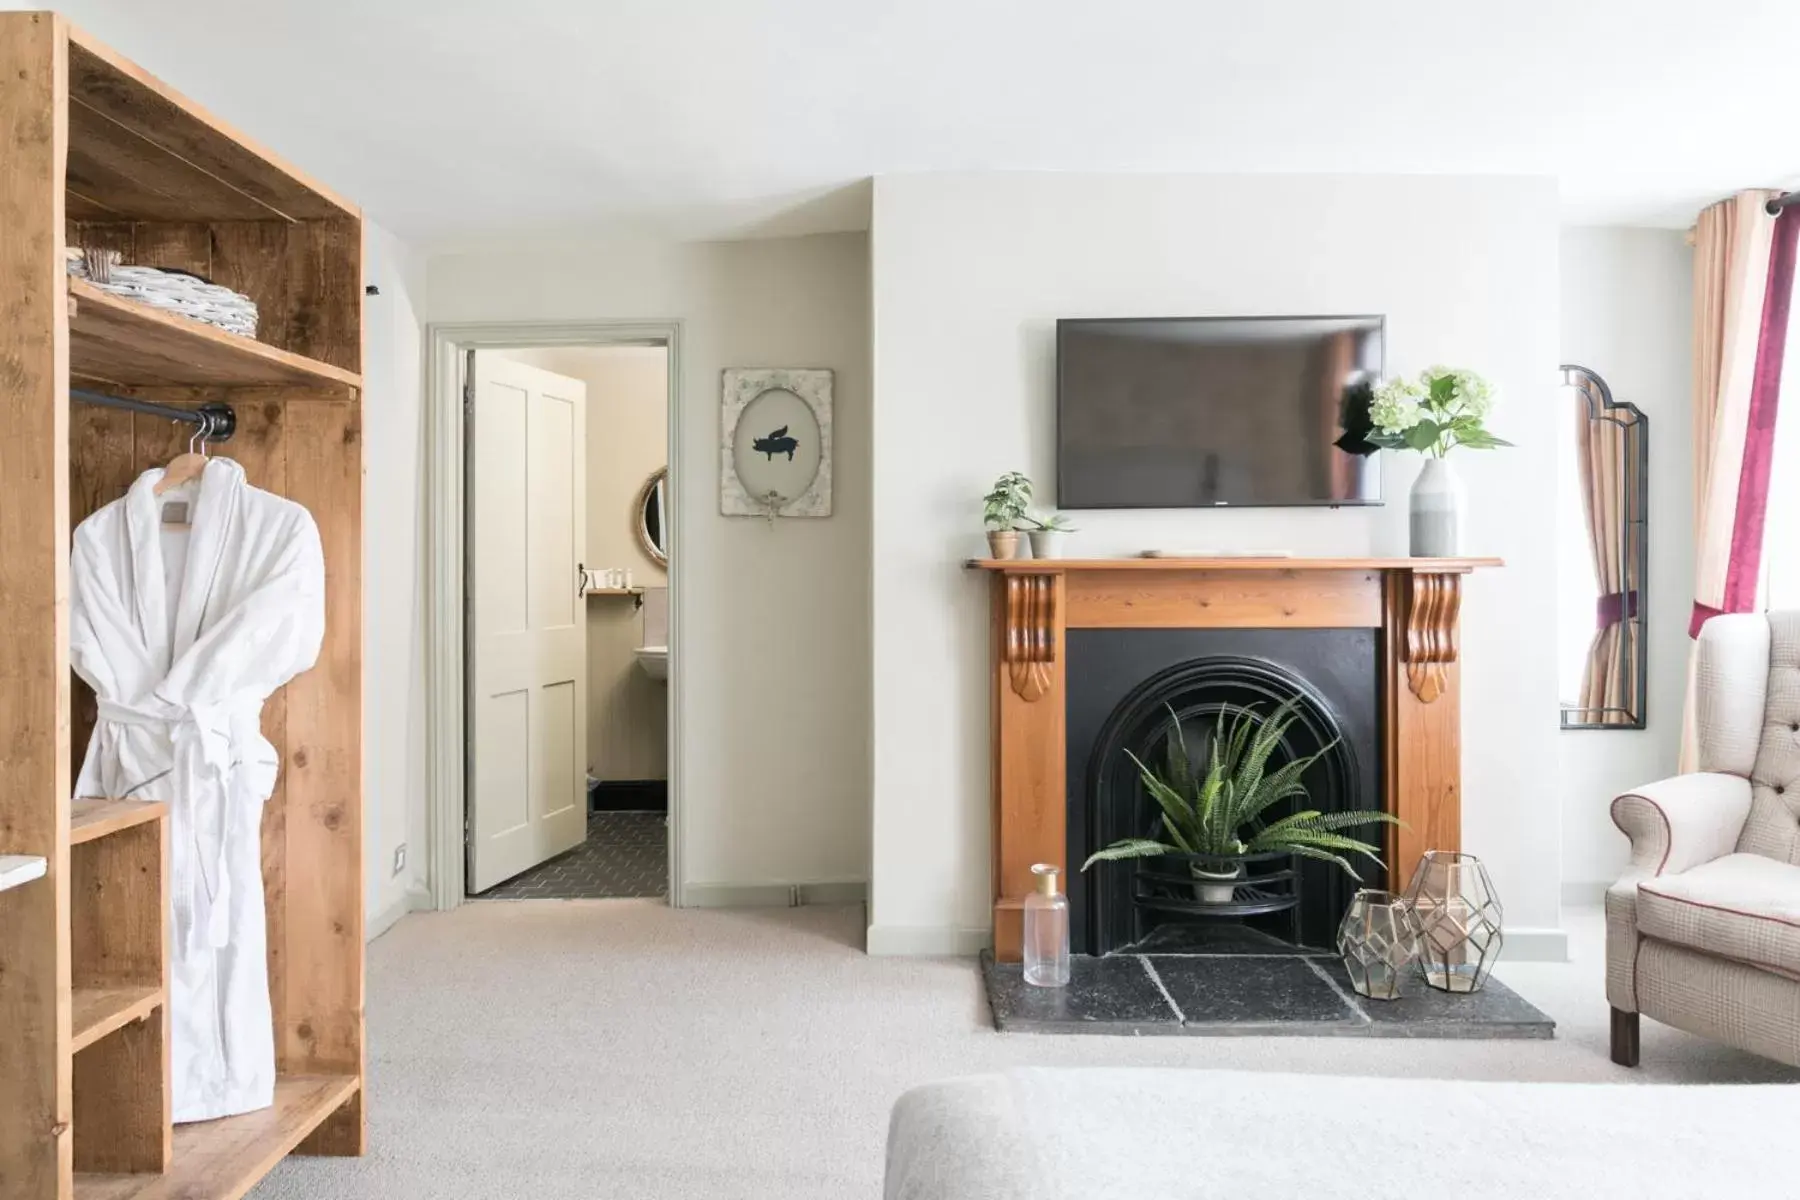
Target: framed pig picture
<point x="775" y="444"/>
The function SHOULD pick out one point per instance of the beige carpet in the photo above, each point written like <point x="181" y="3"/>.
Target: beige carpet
<point x="591" y="1050"/>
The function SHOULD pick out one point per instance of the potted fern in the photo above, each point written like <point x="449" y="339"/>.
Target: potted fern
<point x="1217" y="818"/>
<point x="1002" y="509"/>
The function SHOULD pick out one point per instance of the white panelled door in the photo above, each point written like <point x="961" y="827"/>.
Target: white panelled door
<point x="527" y="619"/>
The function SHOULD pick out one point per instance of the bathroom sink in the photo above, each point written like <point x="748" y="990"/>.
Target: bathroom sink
<point x="655" y="661"/>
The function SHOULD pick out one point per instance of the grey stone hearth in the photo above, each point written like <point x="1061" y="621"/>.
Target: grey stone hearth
<point x="1245" y="990"/>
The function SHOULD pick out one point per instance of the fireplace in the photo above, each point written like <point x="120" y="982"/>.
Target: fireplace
<point x="1122" y="685"/>
<point x="1370" y="644"/>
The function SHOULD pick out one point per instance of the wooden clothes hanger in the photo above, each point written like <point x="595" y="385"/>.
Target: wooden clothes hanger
<point x="184" y="468"/>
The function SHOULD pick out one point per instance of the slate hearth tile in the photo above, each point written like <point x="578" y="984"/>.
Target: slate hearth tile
<point x="1237" y="994"/>
<point x="1496" y="1011"/>
<point x="1105" y="995"/>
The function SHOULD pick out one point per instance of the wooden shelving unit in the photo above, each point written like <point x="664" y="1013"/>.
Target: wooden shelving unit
<point x="99" y="154"/>
<point x="226" y="1158"/>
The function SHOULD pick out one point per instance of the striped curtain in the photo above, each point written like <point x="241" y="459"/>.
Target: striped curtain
<point x="1609" y="680"/>
<point x="1743" y="284"/>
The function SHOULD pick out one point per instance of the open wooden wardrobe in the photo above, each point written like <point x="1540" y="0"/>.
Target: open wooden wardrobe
<point x="98" y="157"/>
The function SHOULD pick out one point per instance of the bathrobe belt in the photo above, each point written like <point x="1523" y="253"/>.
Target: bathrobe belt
<point x="207" y="742"/>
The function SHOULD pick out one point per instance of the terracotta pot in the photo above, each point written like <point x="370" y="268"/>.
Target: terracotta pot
<point x="1005" y="543"/>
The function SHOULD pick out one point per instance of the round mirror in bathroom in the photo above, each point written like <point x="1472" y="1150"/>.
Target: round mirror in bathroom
<point x="651" y="516"/>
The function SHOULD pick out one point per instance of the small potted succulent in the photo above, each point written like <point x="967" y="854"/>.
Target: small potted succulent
<point x="1046" y="534"/>
<point x="1003" y="508"/>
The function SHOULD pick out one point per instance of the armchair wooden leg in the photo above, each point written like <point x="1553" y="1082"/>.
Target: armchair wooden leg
<point x="1624" y="1038"/>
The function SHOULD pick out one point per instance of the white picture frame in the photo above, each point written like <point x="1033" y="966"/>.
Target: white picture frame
<point x="792" y="478"/>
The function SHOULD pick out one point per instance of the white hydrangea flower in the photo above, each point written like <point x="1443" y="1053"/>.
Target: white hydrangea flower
<point x="1397" y="405"/>
<point x="1474" y="394"/>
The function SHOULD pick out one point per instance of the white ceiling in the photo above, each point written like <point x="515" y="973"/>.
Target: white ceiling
<point x="459" y="119"/>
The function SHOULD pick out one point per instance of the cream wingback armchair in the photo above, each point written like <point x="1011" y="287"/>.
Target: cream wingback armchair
<point x="1703" y="932"/>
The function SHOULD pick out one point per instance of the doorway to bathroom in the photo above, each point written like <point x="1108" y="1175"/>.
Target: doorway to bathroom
<point x="563" y="525"/>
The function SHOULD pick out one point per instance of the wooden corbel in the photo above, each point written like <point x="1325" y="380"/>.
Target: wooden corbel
<point x="1433" y="601"/>
<point x="1030" y="633"/>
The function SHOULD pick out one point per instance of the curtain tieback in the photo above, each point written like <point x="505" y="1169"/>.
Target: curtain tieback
<point x="1614" y="607"/>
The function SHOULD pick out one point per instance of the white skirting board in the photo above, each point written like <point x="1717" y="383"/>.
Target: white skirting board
<point x="927" y="941"/>
<point x="416" y="899"/>
<point x="1535" y="945"/>
<point x="773" y="895"/>
<point x="17" y="869"/>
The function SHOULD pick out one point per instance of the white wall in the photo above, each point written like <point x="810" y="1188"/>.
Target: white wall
<point x="1627" y="300"/>
<point x="969" y="274"/>
<point x="775" y="662"/>
<point x="393" y="574"/>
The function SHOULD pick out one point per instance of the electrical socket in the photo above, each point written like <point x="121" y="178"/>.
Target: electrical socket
<point x="400" y="858"/>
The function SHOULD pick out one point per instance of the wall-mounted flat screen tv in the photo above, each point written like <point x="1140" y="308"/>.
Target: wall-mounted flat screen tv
<point x="1211" y="412"/>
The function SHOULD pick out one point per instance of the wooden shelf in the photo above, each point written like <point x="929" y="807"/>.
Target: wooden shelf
<point x="120" y="341"/>
<point x="630" y="591"/>
<point x="97" y="1011"/>
<point x="221" y="1160"/>
<point x="93" y="818"/>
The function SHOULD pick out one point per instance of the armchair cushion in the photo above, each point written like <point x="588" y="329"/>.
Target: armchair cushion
<point x="1743" y="906"/>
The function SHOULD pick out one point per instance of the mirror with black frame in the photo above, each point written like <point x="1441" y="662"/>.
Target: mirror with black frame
<point x="651" y="516"/>
<point x="1602" y="524"/>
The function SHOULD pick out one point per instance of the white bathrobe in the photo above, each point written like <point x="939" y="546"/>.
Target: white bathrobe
<point x="182" y="634"/>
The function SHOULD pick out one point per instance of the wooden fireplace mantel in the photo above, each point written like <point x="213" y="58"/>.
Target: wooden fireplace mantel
<point x="1415" y="602"/>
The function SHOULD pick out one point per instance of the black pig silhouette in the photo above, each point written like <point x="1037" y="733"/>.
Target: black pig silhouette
<point x="777" y="443"/>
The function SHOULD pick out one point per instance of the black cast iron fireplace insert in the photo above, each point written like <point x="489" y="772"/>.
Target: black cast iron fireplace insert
<point x="1121" y="684"/>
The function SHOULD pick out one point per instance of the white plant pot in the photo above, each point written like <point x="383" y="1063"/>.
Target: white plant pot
<point x="1046" y="543"/>
<point x="1216" y="893"/>
<point x="1436" y="511"/>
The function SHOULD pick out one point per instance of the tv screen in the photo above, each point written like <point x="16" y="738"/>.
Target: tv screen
<point x="1215" y="411"/>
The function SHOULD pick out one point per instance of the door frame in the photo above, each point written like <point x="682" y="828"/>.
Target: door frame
<point x="446" y="722"/>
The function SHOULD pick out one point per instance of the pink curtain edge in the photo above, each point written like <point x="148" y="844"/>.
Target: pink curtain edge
<point x="1759" y="440"/>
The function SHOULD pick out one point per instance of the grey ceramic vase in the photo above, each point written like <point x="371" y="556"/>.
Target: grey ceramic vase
<point x="1436" y="510"/>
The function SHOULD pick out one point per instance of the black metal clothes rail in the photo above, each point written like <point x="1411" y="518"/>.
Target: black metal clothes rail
<point x="216" y="422"/>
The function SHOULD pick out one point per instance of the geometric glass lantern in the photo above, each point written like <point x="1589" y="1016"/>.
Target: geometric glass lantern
<point x="1378" y="940"/>
<point x="1459" y="919"/>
